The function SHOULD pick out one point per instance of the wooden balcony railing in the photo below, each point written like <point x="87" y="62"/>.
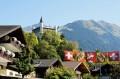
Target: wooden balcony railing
<point x="12" y="44"/>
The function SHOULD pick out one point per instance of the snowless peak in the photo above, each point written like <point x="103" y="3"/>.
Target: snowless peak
<point x="93" y="35"/>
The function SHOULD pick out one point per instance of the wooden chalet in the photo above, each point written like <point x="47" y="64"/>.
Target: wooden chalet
<point x="43" y="65"/>
<point x="102" y="70"/>
<point x="11" y="42"/>
<point x="78" y="67"/>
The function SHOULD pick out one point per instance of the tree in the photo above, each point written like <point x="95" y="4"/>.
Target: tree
<point x="60" y="73"/>
<point x="55" y="41"/>
<point x="51" y="37"/>
<point x="62" y="36"/>
<point x="46" y="51"/>
<point x="31" y="39"/>
<point x="72" y="46"/>
<point x="65" y="45"/>
<point x="62" y="47"/>
<point x="47" y="47"/>
<point x="97" y="50"/>
<point x="115" y="71"/>
<point x="89" y="76"/>
<point x="32" y="42"/>
<point x="23" y="63"/>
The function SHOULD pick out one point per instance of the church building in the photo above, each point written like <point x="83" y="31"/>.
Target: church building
<point x="39" y="30"/>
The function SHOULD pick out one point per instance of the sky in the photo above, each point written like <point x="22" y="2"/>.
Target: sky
<point x="57" y="12"/>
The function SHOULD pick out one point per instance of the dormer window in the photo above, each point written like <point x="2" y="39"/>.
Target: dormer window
<point x="5" y="38"/>
<point x="37" y="62"/>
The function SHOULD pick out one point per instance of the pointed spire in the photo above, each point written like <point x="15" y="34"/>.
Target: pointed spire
<point x="41" y="20"/>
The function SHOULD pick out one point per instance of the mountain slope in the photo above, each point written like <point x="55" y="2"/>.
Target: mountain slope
<point x="92" y="35"/>
<point x="29" y="28"/>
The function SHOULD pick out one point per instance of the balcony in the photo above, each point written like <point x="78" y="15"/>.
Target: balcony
<point x="10" y="73"/>
<point x="6" y="55"/>
<point x="12" y="44"/>
<point x="13" y="74"/>
<point x="5" y="58"/>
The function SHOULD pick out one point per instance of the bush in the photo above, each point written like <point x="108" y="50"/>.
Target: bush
<point x="89" y="76"/>
<point x="60" y="73"/>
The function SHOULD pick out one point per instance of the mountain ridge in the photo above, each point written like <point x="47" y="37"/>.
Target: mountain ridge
<point x="92" y="35"/>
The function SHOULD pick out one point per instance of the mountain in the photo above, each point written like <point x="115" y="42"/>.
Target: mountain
<point x="29" y="28"/>
<point x="92" y="35"/>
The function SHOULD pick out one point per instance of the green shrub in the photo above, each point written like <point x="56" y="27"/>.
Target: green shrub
<point x="60" y="73"/>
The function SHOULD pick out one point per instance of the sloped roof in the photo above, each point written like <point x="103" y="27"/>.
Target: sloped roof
<point x="6" y="29"/>
<point x="37" y="29"/>
<point x="71" y="64"/>
<point x="12" y="30"/>
<point x="103" y="69"/>
<point x="75" y="64"/>
<point x="44" y="62"/>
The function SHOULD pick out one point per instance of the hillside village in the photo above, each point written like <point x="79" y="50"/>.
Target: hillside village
<point x="46" y="53"/>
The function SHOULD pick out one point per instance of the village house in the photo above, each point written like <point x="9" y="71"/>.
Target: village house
<point x="103" y="71"/>
<point x="43" y="65"/>
<point x="78" y="67"/>
<point x="11" y="42"/>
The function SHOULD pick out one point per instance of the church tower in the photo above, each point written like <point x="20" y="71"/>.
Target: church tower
<point x="41" y="25"/>
<point x="56" y="27"/>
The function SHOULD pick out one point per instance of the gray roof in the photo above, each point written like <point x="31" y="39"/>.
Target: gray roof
<point x="46" y="27"/>
<point x="6" y="29"/>
<point x="76" y="64"/>
<point x="44" y="62"/>
<point x="12" y="30"/>
<point x="71" y="64"/>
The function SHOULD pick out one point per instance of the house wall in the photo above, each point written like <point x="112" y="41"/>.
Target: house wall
<point x="31" y="75"/>
<point x="3" y="71"/>
<point x="40" y="72"/>
<point x="10" y="73"/>
<point x="3" y="63"/>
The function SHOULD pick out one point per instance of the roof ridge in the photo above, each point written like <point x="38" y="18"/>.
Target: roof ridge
<point x="10" y="30"/>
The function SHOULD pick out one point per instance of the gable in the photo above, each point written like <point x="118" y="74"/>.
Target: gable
<point x="13" y="31"/>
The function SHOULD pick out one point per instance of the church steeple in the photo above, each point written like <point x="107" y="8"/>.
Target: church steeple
<point x="41" y="25"/>
<point x="41" y="21"/>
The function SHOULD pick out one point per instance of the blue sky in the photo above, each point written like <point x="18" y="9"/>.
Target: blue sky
<point x="57" y="12"/>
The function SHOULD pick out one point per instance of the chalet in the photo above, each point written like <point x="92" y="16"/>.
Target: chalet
<point x="43" y="65"/>
<point x="78" y="67"/>
<point x="11" y="42"/>
<point x="102" y="70"/>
